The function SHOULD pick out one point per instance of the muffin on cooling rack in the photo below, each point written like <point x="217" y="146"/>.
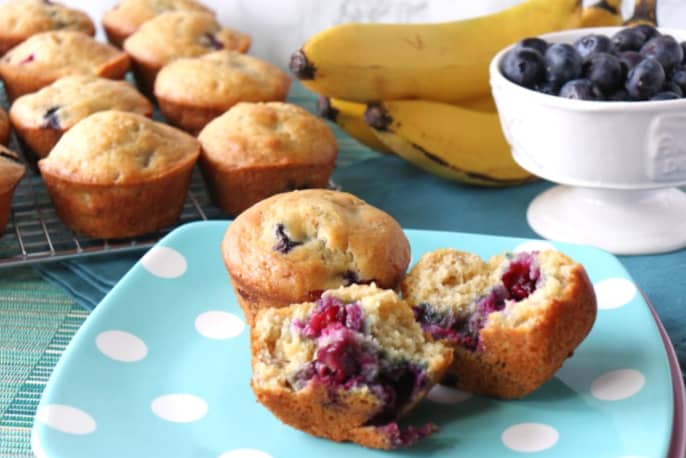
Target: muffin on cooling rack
<point x="48" y="56"/>
<point x="256" y="150"/>
<point x="347" y="366"/>
<point x="119" y="174"/>
<point x="193" y="91"/>
<point x="20" y="19"/>
<point x="41" y="118"/>
<point x="176" y="34"/>
<point x="292" y="246"/>
<point x="11" y="173"/>
<point x="512" y="321"/>
<point x="126" y="17"/>
<point x="4" y="128"/>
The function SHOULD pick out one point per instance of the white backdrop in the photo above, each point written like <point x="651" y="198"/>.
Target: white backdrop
<point x="279" y="27"/>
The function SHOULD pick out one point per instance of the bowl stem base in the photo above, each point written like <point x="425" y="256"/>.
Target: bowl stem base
<point x="619" y="221"/>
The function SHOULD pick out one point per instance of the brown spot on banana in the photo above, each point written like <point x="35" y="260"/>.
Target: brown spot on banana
<point x="301" y="67"/>
<point x="645" y="12"/>
<point x="377" y="117"/>
<point x="325" y="109"/>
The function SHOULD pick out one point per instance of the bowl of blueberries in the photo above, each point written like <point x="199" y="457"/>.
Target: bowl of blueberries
<point x="601" y="112"/>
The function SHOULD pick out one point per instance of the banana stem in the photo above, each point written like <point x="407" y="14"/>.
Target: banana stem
<point x="645" y="12"/>
<point x="611" y="6"/>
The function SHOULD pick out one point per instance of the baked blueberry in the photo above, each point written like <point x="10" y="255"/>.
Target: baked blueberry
<point x="284" y="244"/>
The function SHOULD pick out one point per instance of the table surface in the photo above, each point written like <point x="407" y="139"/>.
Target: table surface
<point x="38" y="318"/>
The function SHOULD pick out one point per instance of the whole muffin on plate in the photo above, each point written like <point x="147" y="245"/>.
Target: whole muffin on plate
<point x="11" y="173"/>
<point x="347" y="366"/>
<point x="291" y="247"/>
<point x="176" y="34"/>
<point x="512" y="321"/>
<point x="20" y="19"/>
<point x="255" y="150"/>
<point x="42" y="117"/>
<point x="48" y="56"/>
<point x="4" y="128"/>
<point x="119" y="174"/>
<point x="124" y="18"/>
<point x="193" y="91"/>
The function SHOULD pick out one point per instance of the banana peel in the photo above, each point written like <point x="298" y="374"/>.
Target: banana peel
<point x="442" y="61"/>
<point x="604" y="13"/>
<point x="447" y="140"/>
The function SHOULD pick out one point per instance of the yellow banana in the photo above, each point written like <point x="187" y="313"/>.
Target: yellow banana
<point x="448" y="140"/>
<point x="442" y="61"/>
<point x="349" y="117"/>
<point x="602" y="13"/>
<point x="645" y="12"/>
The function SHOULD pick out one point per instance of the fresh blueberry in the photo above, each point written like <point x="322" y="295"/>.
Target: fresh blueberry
<point x="665" y="49"/>
<point x="562" y="63"/>
<point x="620" y="95"/>
<point x="630" y="59"/>
<point x="648" y="31"/>
<point x="683" y="47"/>
<point x="581" y="89"/>
<point x="534" y="43"/>
<point x="671" y="86"/>
<point x="679" y="77"/>
<point x="547" y="87"/>
<point x="665" y="95"/>
<point x="524" y="66"/>
<point x="605" y="70"/>
<point x="590" y="44"/>
<point x="628" y="40"/>
<point x="646" y="79"/>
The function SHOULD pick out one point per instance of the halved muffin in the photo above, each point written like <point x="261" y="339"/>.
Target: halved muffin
<point x="124" y="18"/>
<point x="48" y="56"/>
<point x="347" y="366"/>
<point x="41" y="118"/>
<point x="512" y="321"/>
<point x="176" y="34"/>
<point x="193" y="91"/>
<point x="11" y="173"/>
<point x="20" y="19"/>
<point x="119" y="174"/>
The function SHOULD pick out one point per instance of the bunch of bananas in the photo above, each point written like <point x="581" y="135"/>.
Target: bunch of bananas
<point x="422" y="91"/>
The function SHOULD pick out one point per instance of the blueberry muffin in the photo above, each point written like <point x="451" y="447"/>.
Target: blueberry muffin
<point x="255" y="150"/>
<point x="347" y="366"/>
<point x="512" y="321"/>
<point x="119" y="174"/>
<point x="291" y="247"/>
<point x="11" y="173"/>
<point x="21" y="19"/>
<point x="122" y="20"/>
<point x="176" y="34"/>
<point x="193" y="91"/>
<point x="48" y="56"/>
<point x="41" y="118"/>
<point x="4" y="128"/>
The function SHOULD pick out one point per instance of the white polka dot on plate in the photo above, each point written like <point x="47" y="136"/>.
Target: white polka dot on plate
<point x="534" y="245"/>
<point x="179" y="407"/>
<point x="446" y="395"/>
<point x="617" y="385"/>
<point x="164" y="262"/>
<point x="614" y="292"/>
<point x="121" y="346"/>
<point x="36" y="446"/>
<point x="216" y="324"/>
<point x="66" y="419"/>
<point x="530" y="437"/>
<point x="245" y="453"/>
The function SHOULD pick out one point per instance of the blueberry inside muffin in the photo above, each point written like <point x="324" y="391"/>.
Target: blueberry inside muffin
<point x="347" y="366"/>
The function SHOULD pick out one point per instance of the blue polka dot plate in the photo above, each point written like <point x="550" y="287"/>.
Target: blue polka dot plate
<point x="162" y="367"/>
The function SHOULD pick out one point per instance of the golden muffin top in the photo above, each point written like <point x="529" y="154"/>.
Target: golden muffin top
<point x="128" y="15"/>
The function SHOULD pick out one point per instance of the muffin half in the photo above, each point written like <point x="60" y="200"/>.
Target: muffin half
<point x="512" y="321"/>
<point x="347" y="366"/>
<point x="48" y="56"/>
<point x="291" y="247"/>
<point x="41" y="118"/>
<point x="118" y="174"/>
